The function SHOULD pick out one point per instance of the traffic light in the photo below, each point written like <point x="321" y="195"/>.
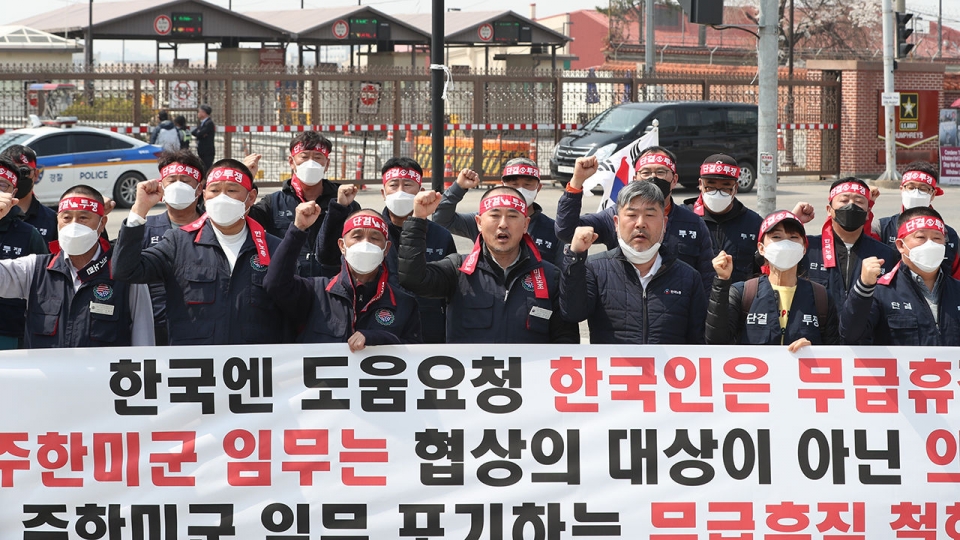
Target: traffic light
<point x="903" y="48"/>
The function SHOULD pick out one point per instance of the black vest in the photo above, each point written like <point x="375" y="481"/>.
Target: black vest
<point x="14" y="243"/>
<point x="97" y="315"/>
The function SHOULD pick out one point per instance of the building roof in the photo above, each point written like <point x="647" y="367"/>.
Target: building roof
<point x="22" y="38"/>
<point x="463" y="27"/>
<point x="316" y="25"/>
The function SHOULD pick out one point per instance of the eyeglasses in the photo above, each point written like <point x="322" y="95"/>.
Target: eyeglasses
<point x="924" y="188"/>
<point x="662" y="174"/>
<point x="712" y="190"/>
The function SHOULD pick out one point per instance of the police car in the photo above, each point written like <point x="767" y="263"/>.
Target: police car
<point x="111" y="163"/>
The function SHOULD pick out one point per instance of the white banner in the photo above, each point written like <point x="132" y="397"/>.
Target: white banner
<point x="480" y="442"/>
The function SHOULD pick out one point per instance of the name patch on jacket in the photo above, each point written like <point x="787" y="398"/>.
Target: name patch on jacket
<point x="896" y="305"/>
<point x="757" y="318"/>
<point x="385" y="316"/>
<point x="811" y="319"/>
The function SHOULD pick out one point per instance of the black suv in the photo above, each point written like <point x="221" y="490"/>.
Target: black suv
<point x="692" y="130"/>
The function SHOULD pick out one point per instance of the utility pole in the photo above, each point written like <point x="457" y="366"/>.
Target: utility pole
<point x="767" y="108"/>
<point x="88" y="54"/>
<point x="889" y="176"/>
<point x="436" y="91"/>
<point x="649" y="48"/>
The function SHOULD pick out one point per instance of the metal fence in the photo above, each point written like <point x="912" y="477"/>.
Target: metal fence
<point x="358" y="109"/>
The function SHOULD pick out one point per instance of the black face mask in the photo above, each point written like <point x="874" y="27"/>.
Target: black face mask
<point x="664" y="186"/>
<point x="850" y="217"/>
<point x="25" y="183"/>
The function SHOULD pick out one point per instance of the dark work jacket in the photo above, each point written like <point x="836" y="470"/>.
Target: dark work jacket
<point x="898" y="314"/>
<point x="541" y="228"/>
<point x="693" y="238"/>
<point x="440" y="243"/>
<point x="206" y="303"/>
<point x="157" y="225"/>
<point x="734" y="232"/>
<point x="605" y="290"/>
<point x="17" y="239"/>
<point x="276" y="213"/>
<point x="205" y="133"/>
<point x="486" y="306"/>
<point x="58" y="317"/>
<point x="951" y="258"/>
<point x="727" y="324"/>
<point x="43" y="219"/>
<point x="838" y="285"/>
<point x="326" y="307"/>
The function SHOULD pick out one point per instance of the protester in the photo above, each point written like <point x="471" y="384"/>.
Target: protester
<point x="166" y="134"/>
<point x="733" y="227"/>
<point x="212" y="269"/>
<point x="17" y="239"/>
<point x="309" y="157"/>
<point x="402" y="180"/>
<point x="916" y="303"/>
<point x="777" y="308"/>
<point x="519" y="173"/>
<point x="638" y="292"/>
<point x="183" y="131"/>
<point x="72" y="298"/>
<point x="360" y="306"/>
<point x="918" y="187"/>
<point x="502" y="291"/>
<point x="34" y="213"/>
<point x="656" y="165"/>
<point x="205" y="133"/>
<point x="833" y="259"/>
<point x="181" y="176"/>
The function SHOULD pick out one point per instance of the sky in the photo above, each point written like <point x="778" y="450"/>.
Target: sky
<point x="14" y="11"/>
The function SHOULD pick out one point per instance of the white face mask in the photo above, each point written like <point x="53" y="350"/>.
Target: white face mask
<point x="179" y="195"/>
<point x="915" y="199"/>
<point x="638" y="257"/>
<point x="400" y="203"/>
<point x="717" y="201"/>
<point x="225" y="210"/>
<point x="529" y="195"/>
<point x="928" y="256"/>
<point x="310" y="172"/>
<point x="76" y="239"/>
<point x="783" y="254"/>
<point x="364" y="257"/>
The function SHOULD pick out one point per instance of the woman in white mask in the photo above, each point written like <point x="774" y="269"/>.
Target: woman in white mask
<point x="914" y="304"/>
<point x="777" y="308"/>
<point x="360" y="306"/>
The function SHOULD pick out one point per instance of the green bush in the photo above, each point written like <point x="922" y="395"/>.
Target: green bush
<point x="111" y="109"/>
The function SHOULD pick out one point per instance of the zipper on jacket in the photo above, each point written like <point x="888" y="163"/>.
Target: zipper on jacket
<point x="646" y="338"/>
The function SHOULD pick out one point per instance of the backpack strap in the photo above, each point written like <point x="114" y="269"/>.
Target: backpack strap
<point x="749" y="293"/>
<point x="820" y="299"/>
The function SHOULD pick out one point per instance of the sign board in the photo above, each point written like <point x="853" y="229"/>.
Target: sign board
<point x="162" y="25"/>
<point x="915" y="118"/>
<point x="890" y="99"/>
<point x="485" y="441"/>
<point x="369" y="98"/>
<point x="272" y="56"/>
<point x="341" y="29"/>
<point x="949" y="146"/>
<point x="364" y="28"/>
<point x="183" y="95"/>
<point x="485" y="32"/>
<point x="187" y="24"/>
<point x="766" y="163"/>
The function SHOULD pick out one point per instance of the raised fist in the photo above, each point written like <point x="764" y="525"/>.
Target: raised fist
<point x="870" y="270"/>
<point x="583" y="238"/>
<point x="7" y="202"/>
<point x="346" y="194"/>
<point x="306" y="215"/>
<point x="252" y="162"/>
<point x="584" y="168"/>
<point x="149" y="194"/>
<point x="723" y="264"/>
<point x="804" y="211"/>
<point x="468" y="179"/>
<point x="426" y="203"/>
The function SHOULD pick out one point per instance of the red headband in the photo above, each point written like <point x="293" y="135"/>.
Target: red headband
<point x="365" y="221"/>
<point x="656" y="159"/>
<point x="176" y="169"/>
<point x="301" y="147"/>
<point x="503" y="201"/>
<point x="922" y="177"/>
<point x="9" y="175"/>
<point x="849" y="187"/>
<point x="80" y="203"/>
<point x="720" y="169"/>
<point x="229" y="174"/>
<point x="773" y="219"/>
<point x="521" y="170"/>
<point x="401" y="173"/>
<point x="26" y="161"/>
<point x="921" y="222"/>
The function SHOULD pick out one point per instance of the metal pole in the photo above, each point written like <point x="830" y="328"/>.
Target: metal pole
<point x="649" y="48"/>
<point x="767" y="108"/>
<point x="436" y="90"/>
<point x="940" y="31"/>
<point x="890" y="144"/>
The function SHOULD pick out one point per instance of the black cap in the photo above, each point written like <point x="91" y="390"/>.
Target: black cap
<point x="720" y="167"/>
